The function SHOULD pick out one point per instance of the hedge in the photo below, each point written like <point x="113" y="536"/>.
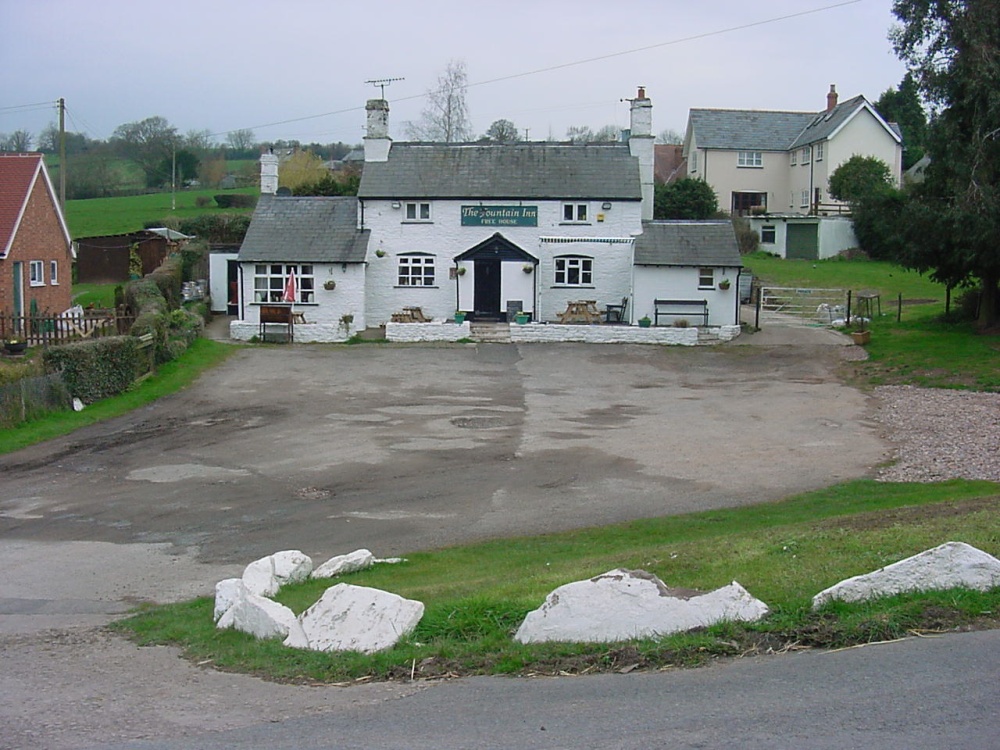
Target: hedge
<point x="93" y="370"/>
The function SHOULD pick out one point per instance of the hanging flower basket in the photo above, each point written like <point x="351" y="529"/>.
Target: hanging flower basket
<point x="329" y="285"/>
<point x="460" y="271"/>
<point x="528" y="267"/>
<point x="724" y="284"/>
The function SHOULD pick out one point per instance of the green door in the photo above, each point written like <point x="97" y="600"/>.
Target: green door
<point x="802" y="242"/>
<point x="18" y="290"/>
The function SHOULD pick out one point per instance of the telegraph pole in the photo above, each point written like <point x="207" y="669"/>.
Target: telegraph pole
<point x="62" y="154"/>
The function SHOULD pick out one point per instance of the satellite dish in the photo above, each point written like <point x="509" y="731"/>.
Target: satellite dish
<point x="284" y="192"/>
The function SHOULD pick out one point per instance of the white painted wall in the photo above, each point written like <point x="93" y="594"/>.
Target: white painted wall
<point x="218" y="285"/>
<point x="347" y="298"/>
<point x="673" y="282"/>
<point x="836" y="234"/>
<point x="720" y="169"/>
<point x="445" y="238"/>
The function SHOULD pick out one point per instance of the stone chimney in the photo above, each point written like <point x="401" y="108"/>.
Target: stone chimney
<point x="268" y="173"/>
<point x="831" y="98"/>
<point x="377" y="140"/>
<point x="640" y="145"/>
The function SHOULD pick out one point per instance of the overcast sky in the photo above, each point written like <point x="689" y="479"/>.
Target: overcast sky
<point x="223" y="65"/>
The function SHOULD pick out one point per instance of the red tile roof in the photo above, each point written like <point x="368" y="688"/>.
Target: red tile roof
<point x="18" y="173"/>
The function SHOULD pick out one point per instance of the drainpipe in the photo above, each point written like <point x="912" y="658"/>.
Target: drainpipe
<point x="361" y="203"/>
<point x="739" y="305"/>
<point x="242" y="316"/>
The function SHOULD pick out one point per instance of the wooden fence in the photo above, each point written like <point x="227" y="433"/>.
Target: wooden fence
<point x="47" y="329"/>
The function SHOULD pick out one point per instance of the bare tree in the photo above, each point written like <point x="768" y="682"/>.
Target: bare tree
<point x="580" y="134"/>
<point x="446" y="116"/>
<point x="502" y="131"/>
<point x="19" y="140"/>
<point x="241" y="140"/>
<point x="670" y="136"/>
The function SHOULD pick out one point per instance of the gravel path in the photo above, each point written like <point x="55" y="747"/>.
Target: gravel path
<point x="940" y="434"/>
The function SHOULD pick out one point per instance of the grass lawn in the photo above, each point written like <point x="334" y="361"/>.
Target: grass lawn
<point x="922" y="348"/>
<point x="98" y="295"/>
<point x="783" y="553"/>
<point x="100" y="216"/>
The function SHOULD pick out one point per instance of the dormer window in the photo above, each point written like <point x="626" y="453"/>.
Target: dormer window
<point x="417" y="211"/>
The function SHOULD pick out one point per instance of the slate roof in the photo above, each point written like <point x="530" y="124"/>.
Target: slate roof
<point x="748" y="129"/>
<point x="522" y="171"/>
<point x="18" y="173"/>
<point x="758" y="130"/>
<point x="305" y="230"/>
<point x="687" y="243"/>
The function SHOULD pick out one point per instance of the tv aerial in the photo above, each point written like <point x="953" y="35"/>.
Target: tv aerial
<point x="381" y="83"/>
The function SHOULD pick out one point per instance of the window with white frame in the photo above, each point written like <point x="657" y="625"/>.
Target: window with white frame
<point x="416" y="269"/>
<point x="706" y="278"/>
<point x="694" y="162"/>
<point x="418" y="211"/>
<point x="54" y="272"/>
<point x="819" y="152"/>
<point x="768" y="234"/>
<point x="805" y="198"/>
<point x="575" y="212"/>
<point x="574" y="270"/>
<point x="749" y="159"/>
<point x="792" y="158"/>
<point x="805" y="155"/>
<point x="270" y="280"/>
<point x="36" y="273"/>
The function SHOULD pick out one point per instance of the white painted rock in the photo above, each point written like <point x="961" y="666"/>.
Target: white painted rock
<point x="349" y="563"/>
<point x="291" y="566"/>
<point x="266" y="576"/>
<point x="624" y="604"/>
<point x="357" y="618"/>
<point x="950" y="565"/>
<point x="260" y="617"/>
<point x="227" y="593"/>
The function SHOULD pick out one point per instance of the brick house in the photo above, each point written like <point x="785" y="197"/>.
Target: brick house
<point x="36" y="253"/>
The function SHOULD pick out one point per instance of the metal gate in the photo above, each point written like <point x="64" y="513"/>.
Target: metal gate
<point x="821" y="307"/>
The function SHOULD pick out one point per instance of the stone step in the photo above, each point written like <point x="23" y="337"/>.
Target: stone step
<point x="491" y="333"/>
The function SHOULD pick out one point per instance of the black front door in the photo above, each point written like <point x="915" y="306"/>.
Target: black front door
<point x="487" y="289"/>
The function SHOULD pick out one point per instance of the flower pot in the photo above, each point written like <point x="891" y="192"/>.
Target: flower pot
<point x="329" y="285"/>
<point x="861" y="337"/>
<point x="723" y="285"/>
<point x="15" y="347"/>
<point x="460" y="317"/>
<point x="521" y="318"/>
<point x="644" y="322"/>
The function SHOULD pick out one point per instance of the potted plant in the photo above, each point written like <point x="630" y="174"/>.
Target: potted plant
<point x="645" y="322"/>
<point x="528" y="267"/>
<point x="380" y="253"/>
<point x="460" y="316"/>
<point x="724" y="284"/>
<point x="329" y="285"/>
<point x="521" y="318"/>
<point x="460" y="271"/>
<point x="15" y="345"/>
<point x="861" y="335"/>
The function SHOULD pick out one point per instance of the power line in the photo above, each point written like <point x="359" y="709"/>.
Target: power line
<point x="562" y="66"/>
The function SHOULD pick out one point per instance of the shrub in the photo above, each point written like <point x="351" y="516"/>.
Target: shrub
<point x="747" y="239"/>
<point x="230" y="228"/>
<point x="202" y="201"/>
<point x="185" y="326"/>
<point x="236" y="200"/>
<point x="93" y="370"/>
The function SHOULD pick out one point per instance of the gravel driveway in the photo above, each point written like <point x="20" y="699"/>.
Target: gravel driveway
<point x="396" y="449"/>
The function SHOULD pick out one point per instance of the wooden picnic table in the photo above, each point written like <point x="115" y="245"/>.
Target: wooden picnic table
<point x="580" y="312"/>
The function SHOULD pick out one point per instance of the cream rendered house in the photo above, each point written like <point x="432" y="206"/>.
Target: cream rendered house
<point x="781" y="162"/>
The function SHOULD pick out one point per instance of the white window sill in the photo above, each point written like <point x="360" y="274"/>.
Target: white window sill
<point x="304" y="304"/>
<point x="36" y="283"/>
<point x="749" y="166"/>
<point x="573" y="286"/>
<point x="416" y="286"/>
<point x="417" y="221"/>
<point x="574" y="223"/>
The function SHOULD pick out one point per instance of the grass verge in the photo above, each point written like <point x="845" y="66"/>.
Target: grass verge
<point x="169" y="378"/>
<point x="783" y="553"/>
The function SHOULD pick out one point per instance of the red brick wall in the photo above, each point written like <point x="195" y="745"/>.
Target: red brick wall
<point x="39" y="237"/>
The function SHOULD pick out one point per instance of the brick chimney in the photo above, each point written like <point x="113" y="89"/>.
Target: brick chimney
<point x="377" y="140"/>
<point x="831" y="98"/>
<point x="640" y="145"/>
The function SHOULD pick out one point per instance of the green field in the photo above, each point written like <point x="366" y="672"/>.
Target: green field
<point x="100" y="216"/>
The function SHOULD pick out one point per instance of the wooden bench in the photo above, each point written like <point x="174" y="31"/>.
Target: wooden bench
<point x="697" y="308"/>
<point x="277" y="315"/>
